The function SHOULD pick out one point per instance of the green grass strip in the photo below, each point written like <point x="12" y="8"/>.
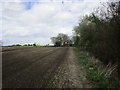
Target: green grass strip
<point x="93" y="74"/>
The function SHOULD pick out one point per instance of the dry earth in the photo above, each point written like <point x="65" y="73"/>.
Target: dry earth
<point x="42" y="67"/>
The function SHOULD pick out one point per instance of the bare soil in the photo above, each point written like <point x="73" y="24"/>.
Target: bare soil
<point x="42" y="67"/>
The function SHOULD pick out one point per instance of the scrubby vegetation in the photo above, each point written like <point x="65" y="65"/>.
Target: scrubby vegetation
<point x="99" y="34"/>
<point x="97" y="73"/>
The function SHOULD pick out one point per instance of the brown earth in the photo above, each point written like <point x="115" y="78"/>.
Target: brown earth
<point x="42" y="67"/>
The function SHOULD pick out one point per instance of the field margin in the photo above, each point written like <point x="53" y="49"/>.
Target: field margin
<point x="93" y="72"/>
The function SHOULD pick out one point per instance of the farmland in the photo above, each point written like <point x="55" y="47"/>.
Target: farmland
<point x="42" y="67"/>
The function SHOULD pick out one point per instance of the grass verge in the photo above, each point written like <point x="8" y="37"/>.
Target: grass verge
<point x="94" y="73"/>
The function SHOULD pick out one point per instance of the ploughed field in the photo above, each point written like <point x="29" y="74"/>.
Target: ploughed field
<point x="42" y="67"/>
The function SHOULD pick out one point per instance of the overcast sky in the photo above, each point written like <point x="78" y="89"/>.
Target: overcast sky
<point x="35" y="21"/>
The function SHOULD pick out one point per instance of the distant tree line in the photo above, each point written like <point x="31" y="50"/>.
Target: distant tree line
<point x="62" y="40"/>
<point x="99" y="33"/>
<point x="25" y="44"/>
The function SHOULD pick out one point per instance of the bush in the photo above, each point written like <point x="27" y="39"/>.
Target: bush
<point x="99" y="34"/>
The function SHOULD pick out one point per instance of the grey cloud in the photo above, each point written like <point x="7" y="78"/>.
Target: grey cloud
<point x="41" y="22"/>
